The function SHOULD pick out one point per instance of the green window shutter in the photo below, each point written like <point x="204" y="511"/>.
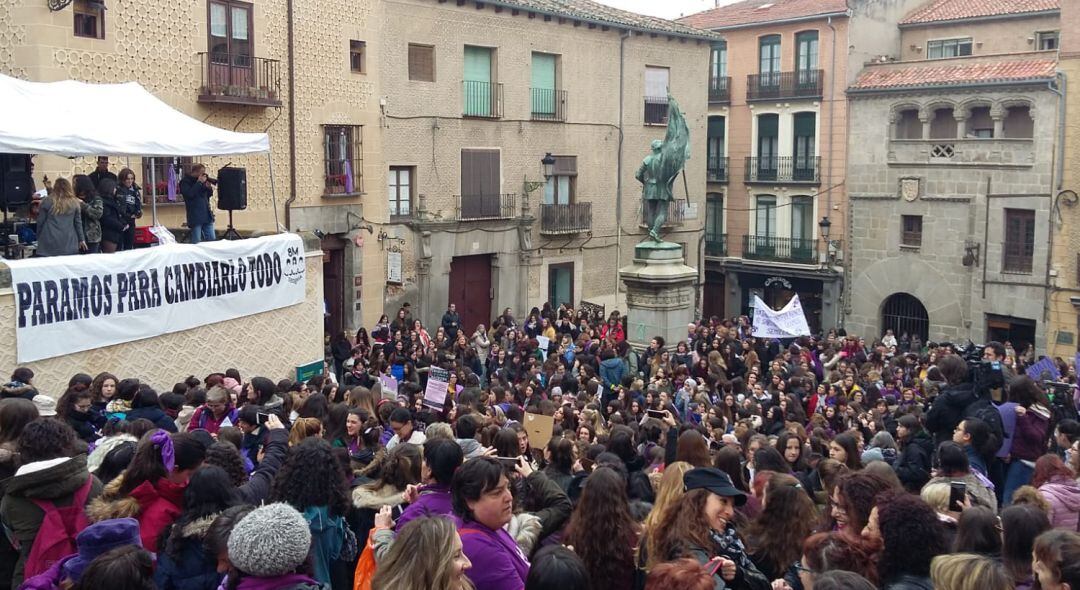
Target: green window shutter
<point x="543" y="83"/>
<point x="804" y="124"/>
<point x="716" y="127"/>
<point x="768" y="126"/>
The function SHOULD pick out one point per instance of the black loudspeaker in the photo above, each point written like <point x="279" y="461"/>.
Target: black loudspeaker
<point x="232" y="189"/>
<point x="16" y="186"/>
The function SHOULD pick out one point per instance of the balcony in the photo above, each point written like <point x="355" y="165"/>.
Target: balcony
<point x="656" y="110"/>
<point x="967" y="152"/>
<point x="548" y="104"/>
<point x="717" y="169"/>
<point x="486" y="206"/>
<point x="239" y="79"/>
<point x="483" y="100"/>
<point x="676" y="213"/>
<point x="784" y="85"/>
<point x="570" y="218"/>
<point x="774" y="249"/>
<point x="784" y="169"/>
<point x="720" y="90"/>
<point x="715" y="244"/>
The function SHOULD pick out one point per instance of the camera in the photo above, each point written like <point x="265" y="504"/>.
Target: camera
<point x="984" y="375"/>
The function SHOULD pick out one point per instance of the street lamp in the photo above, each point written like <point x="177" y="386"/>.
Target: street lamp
<point x="548" y="163"/>
<point x="823" y="227"/>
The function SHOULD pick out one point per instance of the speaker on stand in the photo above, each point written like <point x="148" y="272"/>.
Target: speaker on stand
<point x="16" y="184"/>
<point x="232" y="195"/>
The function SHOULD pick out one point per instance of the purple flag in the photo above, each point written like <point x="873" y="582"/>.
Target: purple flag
<point x="1045" y="365"/>
<point x="348" y="177"/>
<point x="171" y="184"/>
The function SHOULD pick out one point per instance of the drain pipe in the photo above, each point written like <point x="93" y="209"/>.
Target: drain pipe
<point x="1059" y="175"/>
<point x="832" y="136"/>
<point x="619" y="163"/>
<point x="292" y="114"/>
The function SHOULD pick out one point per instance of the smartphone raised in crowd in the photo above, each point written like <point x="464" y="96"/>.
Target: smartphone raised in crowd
<point x="659" y="414"/>
<point x="262" y="418"/>
<point x="957" y="494"/>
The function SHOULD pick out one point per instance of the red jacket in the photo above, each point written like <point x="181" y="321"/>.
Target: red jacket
<point x="617" y="334"/>
<point x="159" y="504"/>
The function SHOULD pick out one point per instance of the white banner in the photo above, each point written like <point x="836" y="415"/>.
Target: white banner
<point x="789" y="322"/>
<point x="68" y="304"/>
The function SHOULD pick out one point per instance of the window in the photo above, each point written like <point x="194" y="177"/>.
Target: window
<point x="943" y="48"/>
<point x="481" y="182"/>
<point x="802" y="219"/>
<point x="979" y="123"/>
<point x="1017" y="123"/>
<point x="768" y="146"/>
<point x="765" y="213"/>
<point x="805" y="155"/>
<point x="718" y="62"/>
<point x="911" y="230"/>
<point x="769" y="53"/>
<point x="544" y="87"/>
<point x="343" y="159"/>
<point x="943" y="125"/>
<point x="715" y="150"/>
<point x="1047" y="40"/>
<point x="400" y="185"/>
<point x="230" y="33"/>
<point x="155" y="178"/>
<point x="358" y="56"/>
<point x="714" y="225"/>
<point x="89" y="19"/>
<point x="656" y="92"/>
<point x="481" y="95"/>
<point x="1019" y="240"/>
<point x="559" y="188"/>
<point x="908" y="125"/>
<point x="421" y="62"/>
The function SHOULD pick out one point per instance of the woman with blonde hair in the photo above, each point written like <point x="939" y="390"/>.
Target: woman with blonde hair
<point x="968" y="571"/>
<point x="59" y="224"/>
<point x="668" y="493"/>
<point x="303" y="428"/>
<point x="426" y="554"/>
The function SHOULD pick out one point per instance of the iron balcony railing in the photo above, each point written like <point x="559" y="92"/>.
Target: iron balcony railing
<point x="717" y="168"/>
<point x="720" y="90"/>
<point x="239" y="79"/>
<point x="676" y="213"/>
<point x="484" y="206"/>
<point x="566" y="218"/>
<point x="787" y="169"/>
<point x="780" y="85"/>
<point x="715" y="244"/>
<point x="797" y="250"/>
<point x="482" y="99"/>
<point x="548" y="104"/>
<point x="656" y="110"/>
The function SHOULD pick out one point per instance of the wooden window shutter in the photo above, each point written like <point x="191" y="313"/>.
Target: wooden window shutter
<point x="422" y="63"/>
<point x="565" y="166"/>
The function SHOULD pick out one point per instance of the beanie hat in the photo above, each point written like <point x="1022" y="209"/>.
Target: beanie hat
<point x="46" y="406"/>
<point x="97" y="539"/>
<point x="872" y="454"/>
<point x="272" y="540"/>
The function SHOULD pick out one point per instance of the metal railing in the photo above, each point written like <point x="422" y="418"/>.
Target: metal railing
<point x="715" y="244"/>
<point x="566" y="218"/>
<point x="482" y="99"/>
<point x="656" y="110"/>
<point x="720" y="90"/>
<point x="798" y="250"/>
<point x="784" y="169"/>
<point x="485" y="206"/>
<point x="548" y="104"/>
<point x="717" y="169"/>
<point x="239" y="79"/>
<point x="774" y="85"/>
<point x="676" y="213"/>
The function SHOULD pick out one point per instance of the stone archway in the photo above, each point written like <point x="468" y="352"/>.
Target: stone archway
<point x="903" y="313"/>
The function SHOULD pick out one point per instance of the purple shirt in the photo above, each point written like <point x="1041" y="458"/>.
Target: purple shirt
<point x="434" y="500"/>
<point x="497" y="561"/>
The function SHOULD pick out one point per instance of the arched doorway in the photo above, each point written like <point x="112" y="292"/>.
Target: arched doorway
<point x="903" y="313"/>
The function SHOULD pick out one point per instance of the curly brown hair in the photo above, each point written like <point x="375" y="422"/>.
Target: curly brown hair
<point x="857" y="490"/>
<point x="683" y="526"/>
<point x="602" y="531"/>
<point x="312" y="477"/>
<point x="824" y="552"/>
<point x="786" y="520"/>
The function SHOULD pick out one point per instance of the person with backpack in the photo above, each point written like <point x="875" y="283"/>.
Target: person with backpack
<point x="96" y="539"/>
<point x="44" y="506"/>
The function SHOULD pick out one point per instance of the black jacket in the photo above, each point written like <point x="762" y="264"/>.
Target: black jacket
<point x="196" y="201"/>
<point x="113" y="221"/>
<point x="913" y="464"/>
<point x="156" y="415"/>
<point x="960" y="401"/>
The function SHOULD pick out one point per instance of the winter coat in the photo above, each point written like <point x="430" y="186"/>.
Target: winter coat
<point x="196" y="201"/>
<point x="979" y="494"/>
<point x="471" y="447"/>
<point x="187" y="566"/>
<point x="286" y="582"/>
<point x="92" y="210"/>
<point x="155" y="505"/>
<point x="156" y="415"/>
<point x="85" y="424"/>
<point x="112" y="221"/>
<point x="960" y="401"/>
<point x="203" y="418"/>
<point x="913" y="465"/>
<point x="259" y="483"/>
<point x="612" y="371"/>
<point x="1063" y="494"/>
<point x="104" y="447"/>
<point x="1029" y="440"/>
<point x="434" y="500"/>
<point x="728" y="545"/>
<point x="58" y="234"/>
<point x="55" y="480"/>
<point x="497" y="561"/>
<point x="368" y="502"/>
<point x="18" y="389"/>
<point x="327" y="540"/>
<point x="130" y="201"/>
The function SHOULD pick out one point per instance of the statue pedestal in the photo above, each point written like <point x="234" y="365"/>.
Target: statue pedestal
<point x="659" y="293"/>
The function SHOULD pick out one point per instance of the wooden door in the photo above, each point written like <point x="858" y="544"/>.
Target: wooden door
<point x="470" y="290"/>
<point x="334" y="284"/>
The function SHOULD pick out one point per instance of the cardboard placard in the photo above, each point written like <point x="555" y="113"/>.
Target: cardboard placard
<point x="435" y="392"/>
<point x="539" y="428"/>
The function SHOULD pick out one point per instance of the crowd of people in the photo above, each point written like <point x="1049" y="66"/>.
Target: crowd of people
<point x="720" y="461"/>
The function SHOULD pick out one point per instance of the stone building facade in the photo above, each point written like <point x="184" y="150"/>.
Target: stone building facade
<point x="950" y="181"/>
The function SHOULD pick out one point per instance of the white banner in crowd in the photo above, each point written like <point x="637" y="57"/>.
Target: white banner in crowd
<point x="67" y="304"/>
<point x="789" y="322"/>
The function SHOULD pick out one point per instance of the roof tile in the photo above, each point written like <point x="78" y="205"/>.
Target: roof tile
<point x="883" y="78"/>
<point x="751" y="12"/>
<point x="946" y="10"/>
<point x="594" y="11"/>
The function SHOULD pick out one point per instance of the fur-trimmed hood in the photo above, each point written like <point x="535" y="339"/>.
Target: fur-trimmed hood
<point x="198" y="528"/>
<point x="365" y="497"/>
<point x="110" y="504"/>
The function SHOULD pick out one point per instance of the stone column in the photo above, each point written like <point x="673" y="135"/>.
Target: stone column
<point x="659" y="293"/>
<point x="961" y="124"/>
<point x="924" y="118"/>
<point x="997" y="114"/>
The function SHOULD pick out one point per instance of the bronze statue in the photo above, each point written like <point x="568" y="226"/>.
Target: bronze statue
<point x="660" y="168"/>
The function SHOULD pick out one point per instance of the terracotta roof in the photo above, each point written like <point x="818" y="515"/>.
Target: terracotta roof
<point x="590" y="11"/>
<point x="750" y="12"/>
<point x="946" y="10"/>
<point x="885" y="78"/>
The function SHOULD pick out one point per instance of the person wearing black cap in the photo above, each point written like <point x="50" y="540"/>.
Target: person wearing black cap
<point x="700" y="527"/>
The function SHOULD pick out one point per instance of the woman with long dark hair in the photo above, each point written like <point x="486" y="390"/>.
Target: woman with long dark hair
<point x="1020" y="525"/>
<point x="775" y="537"/>
<point x="978" y="530"/>
<point x="845" y="449"/>
<point x="602" y="531"/>
<point x="910" y="536"/>
<point x="852" y="500"/>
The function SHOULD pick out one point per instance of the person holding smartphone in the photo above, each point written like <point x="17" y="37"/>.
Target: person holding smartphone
<point x="197" y="189"/>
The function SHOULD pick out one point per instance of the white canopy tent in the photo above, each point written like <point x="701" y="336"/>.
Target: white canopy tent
<point x="71" y="118"/>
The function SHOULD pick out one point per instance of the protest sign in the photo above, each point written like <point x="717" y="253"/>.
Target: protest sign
<point x="435" y="393"/>
<point x="539" y="428"/>
<point x="788" y="322"/>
